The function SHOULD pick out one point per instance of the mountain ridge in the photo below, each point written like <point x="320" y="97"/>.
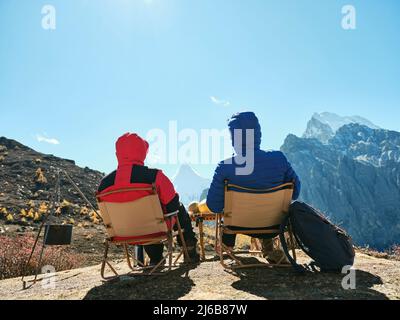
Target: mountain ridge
<point x="354" y="178"/>
<point x="324" y="125"/>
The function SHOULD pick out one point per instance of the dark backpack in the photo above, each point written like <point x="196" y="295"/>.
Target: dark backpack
<point x="328" y="245"/>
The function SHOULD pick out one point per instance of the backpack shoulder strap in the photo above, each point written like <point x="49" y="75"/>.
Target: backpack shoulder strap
<point x="298" y="268"/>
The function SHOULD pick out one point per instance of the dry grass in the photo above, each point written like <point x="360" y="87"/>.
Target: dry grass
<point x="393" y="253"/>
<point x="39" y="177"/>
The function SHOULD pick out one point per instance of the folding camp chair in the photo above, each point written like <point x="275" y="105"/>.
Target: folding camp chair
<point x="139" y="222"/>
<point x="258" y="212"/>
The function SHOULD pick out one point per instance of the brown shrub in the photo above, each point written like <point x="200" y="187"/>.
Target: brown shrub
<point x="39" y="177"/>
<point x="14" y="253"/>
<point x="65" y="208"/>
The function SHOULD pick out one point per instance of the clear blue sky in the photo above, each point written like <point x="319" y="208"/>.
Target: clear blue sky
<point x="113" y="66"/>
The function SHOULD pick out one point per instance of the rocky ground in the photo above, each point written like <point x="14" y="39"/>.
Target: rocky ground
<point x="375" y="279"/>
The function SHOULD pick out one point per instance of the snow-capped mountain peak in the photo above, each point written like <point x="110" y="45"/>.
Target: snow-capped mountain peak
<point x="323" y="126"/>
<point x="189" y="184"/>
<point x="335" y="121"/>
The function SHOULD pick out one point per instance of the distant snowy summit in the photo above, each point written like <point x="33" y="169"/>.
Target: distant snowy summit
<point x="323" y="126"/>
<point x="189" y="184"/>
<point x="356" y="137"/>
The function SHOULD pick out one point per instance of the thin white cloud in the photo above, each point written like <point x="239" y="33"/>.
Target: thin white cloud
<point x="45" y="139"/>
<point x="220" y="102"/>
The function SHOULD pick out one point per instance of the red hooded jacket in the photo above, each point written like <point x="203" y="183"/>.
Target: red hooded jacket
<point x="131" y="151"/>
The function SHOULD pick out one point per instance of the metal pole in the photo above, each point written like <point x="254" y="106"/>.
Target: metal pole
<point x="82" y="195"/>
<point x="50" y="212"/>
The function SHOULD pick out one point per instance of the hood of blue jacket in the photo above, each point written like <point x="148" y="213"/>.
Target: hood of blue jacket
<point x="243" y="121"/>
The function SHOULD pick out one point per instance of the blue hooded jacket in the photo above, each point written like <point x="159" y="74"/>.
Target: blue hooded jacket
<point x="270" y="169"/>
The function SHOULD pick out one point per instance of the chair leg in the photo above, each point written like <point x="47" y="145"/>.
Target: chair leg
<point x="128" y="257"/>
<point x="220" y="244"/>
<point x="216" y="232"/>
<point x="231" y="254"/>
<point x="105" y="262"/>
<point x="255" y="248"/>
<point x="292" y="242"/>
<point x="152" y="271"/>
<point x="170" y="250"/>
<point x="146" y="271"/>
<point x="221" y="250"/>
<point x="279" y="262"/>
<point x="241" y="265"/>
<point x="202" y="250"/>
<point x="184" y="247"/>
<point x="178" y="257"/>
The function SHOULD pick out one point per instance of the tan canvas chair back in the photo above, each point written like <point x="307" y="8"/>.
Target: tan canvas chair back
<point x="133" y="219"/>
<point x="252" y="209"/>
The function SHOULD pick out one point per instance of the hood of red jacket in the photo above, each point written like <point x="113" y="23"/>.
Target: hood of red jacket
<point x="131" y="149"/>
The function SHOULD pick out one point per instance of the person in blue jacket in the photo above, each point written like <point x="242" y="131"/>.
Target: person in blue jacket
<point x="250" y="167"/>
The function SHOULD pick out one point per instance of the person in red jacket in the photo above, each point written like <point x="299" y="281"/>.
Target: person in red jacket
<point x="131" y="151"/>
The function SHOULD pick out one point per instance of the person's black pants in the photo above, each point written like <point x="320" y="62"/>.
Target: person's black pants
<point x="155" y="251"/>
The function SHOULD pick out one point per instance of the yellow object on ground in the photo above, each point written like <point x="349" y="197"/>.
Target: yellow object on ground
<point x="203" y="208"/>
<point x="194" y="207"/>
<point x="199" y="207"/>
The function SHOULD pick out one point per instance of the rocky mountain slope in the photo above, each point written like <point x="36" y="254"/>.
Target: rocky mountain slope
<point x="353" y="176"/>
<point x="376" y="279"/>
<point x="27" y="175"/>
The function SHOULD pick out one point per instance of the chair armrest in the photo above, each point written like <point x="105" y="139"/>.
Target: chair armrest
<point x="171" y="214"/>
